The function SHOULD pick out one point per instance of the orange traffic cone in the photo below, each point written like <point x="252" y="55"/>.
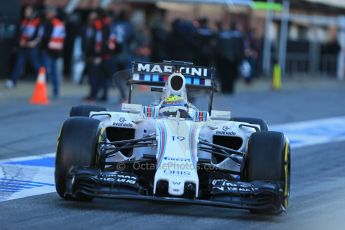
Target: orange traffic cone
<point x="40" y="96"/>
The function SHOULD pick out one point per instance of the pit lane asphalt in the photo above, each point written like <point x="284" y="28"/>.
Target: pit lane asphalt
<point x="318" y="176"/>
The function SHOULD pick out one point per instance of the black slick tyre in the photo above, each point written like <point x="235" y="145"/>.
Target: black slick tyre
<point x="77" y="146"/>
<point x="268" y="159"/>
<point x="256" y="121"/>
<point x="84" y="110"/>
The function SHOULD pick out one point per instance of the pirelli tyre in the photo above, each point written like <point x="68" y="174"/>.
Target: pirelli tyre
<point x="84" y="110"/>
<point x="268" y="159"/>
<point x="263" y="125"/>
<point x="77" y="146"/>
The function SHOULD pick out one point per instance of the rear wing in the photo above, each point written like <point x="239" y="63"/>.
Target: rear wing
<point x="156" y="74"/>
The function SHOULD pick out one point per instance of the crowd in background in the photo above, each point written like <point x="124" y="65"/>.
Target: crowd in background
<point x="107" y="42"/>
<point x="231" y="51"/>
<point x="40" y="42"/>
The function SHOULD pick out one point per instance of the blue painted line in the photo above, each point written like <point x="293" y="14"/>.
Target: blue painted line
<point x="26" y="181"/>
<point x="43" y="162"/>
<point x="313" y="132"/>
<point x="9" y="190"/>
<point x="16" y="184"/>
<point x="27" y="184"/>
<point x="12" y="185"/>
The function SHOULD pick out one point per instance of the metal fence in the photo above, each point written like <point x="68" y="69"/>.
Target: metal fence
<point x="304" y="64"/>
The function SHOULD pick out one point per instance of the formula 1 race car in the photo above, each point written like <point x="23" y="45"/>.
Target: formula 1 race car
<point x="171" y="151"/>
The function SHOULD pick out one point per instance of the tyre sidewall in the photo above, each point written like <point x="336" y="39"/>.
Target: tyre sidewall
<point x="77" y="146"/>
<point x="84" y="110"/>
<point x="268" y="159"/>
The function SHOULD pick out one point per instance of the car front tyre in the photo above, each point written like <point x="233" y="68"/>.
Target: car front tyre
<point x="77" y="146"/>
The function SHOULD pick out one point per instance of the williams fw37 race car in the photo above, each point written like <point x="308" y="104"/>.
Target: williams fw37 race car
<point x="170" y="151"/>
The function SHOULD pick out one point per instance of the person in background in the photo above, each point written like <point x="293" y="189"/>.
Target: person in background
<point x="158" y="38"/>
<point x="230" y="52"/>
<point x="142" y="45"/>
<point x="29" y="40"/>
<point x="181" y="41"/>
<point x="108" y="63"/>
<point x="87" y="46"/>
<point x="125" y="34"/>
<point x="94" y="43"/>
<point x="102" y="47"/>
<point x="52" y="46"/>
<point x="204" y="38"/>
<point x="251" y="53"/>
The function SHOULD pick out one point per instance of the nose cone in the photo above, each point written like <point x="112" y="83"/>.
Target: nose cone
<point x="176" y="187"/>
<point x="176" y="157"/>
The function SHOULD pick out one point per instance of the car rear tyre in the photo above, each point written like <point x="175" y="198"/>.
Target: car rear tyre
<point x="77" y="146"/>
<point x="84" y="110"/>
<point x="263" y="125"/>
<point x="268" y="159"/>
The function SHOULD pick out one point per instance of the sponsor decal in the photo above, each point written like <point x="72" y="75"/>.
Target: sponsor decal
<point x="177" y="159"/>
<point x="176" y="182"/>
<point x="125" y="181"/>
<point x="169" y="69"/>
<point x="232" y="187"/>
<point x="224" y="133"/>
<point x="119" y="178"/>
<point x="176" y="172"/>
<point x="117" y="175"/>
<point x="225" y="128"/>
<point x="122" y="123"/>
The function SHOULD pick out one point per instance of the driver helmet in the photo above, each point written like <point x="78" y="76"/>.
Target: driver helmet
<point x="172" y="104"/>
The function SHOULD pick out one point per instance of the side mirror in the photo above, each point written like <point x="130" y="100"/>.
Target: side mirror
<point x="157" y="89"/>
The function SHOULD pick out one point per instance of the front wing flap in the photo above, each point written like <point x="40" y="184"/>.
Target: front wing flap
<point x="127" y="185"/>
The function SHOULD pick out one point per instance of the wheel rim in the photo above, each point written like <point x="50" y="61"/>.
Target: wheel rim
<point x="287" y="167"/>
